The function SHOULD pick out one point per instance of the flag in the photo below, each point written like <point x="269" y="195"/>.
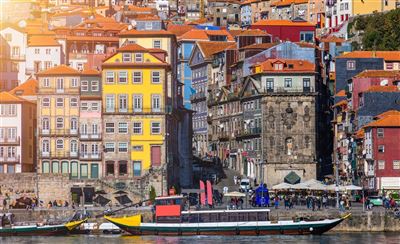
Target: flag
<point x="209" y="193"/>
<point x="202" y="193"/>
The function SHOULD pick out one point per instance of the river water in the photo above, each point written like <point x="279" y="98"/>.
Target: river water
<point x="356" y="238"/>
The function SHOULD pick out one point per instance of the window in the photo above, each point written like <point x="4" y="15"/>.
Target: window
<point x="64" y="167"/>
<point x="109" y="127"/>
<point x="74" y="146"/>
<point x="155" y="127"/>
<point x="46" y="167"/>
<point x="306" y="82"/>
<point x="148" y="26"/>
<point x="60" y="84"/>
<point x="155" y="76"/>
<point x="48" y="51"/>
<point x="137" y="103"/>
<point x="126" y="57"/>
<point x="55" y="167"/>
<point x="381" y="164"/>
<point x="95" y="85"/>
<point x="137" y="77"/>
<point x="46" y="102"/>
<point x="109" y="168"/>
<point x="123" y="127"/>
<point x="45" y="146"/>
<point x="60" y="102"/>
<point x="138" y="57"/>
<point x="306" y="36"/>
<point x="95" y="106"/>
<point x="95" y="149"/>
<point x="137" y="168"/>
<point x="74" y="102"/>
<point x="84" y="85"/>
<point x="123" y="103"/>
<point x="157" y="44"/>
<point x="84" y="171"/>
<point x="74" y="82"/>
<point x="109" y="147"/>
<point x="110" y="103"/>
<point x="74" y="169"/>
<point x="95" y="129"/>
<point x="156" y="103"/>
<point x="60" y="123"/>
<point x="122" y="147"/>
<point x="74" y="124"/>
<point x="109" y="77"/>
<point x="381" y="148"/>
<point x="389" y="65"/>
<point x="46" y="82"/>
<point x="396" y="164"/>
<point x="45" y="124"/>
<point x="123" y="167"/>
<point x="270" y="84"/>
<point x="351" y="65"/>
<point x="380" y="132"/>
<point x="123" y="77"/>
<point x="84" y="106"/>
<point x="137" y="148"/>
<point x="8" y="37"/>
<point x="288" y="82"/>
<point x="137" y="128"/>
<point x="60" y="144"/>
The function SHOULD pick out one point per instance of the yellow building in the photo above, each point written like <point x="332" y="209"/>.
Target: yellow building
<point x="367" y="6"/>
<point x="57" y="118"/>
<point x="135" y="111"/>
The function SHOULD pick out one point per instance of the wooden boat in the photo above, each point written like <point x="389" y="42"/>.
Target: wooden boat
<point x="171" y="220"/>
<point x="40" y="230"/>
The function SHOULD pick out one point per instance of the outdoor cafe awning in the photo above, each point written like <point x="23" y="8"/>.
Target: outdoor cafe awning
<point x="282" y="186"/>
<point x="234" y="194"/>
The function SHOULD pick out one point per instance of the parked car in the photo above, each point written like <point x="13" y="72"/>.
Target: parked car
<point x="375" y="201"/>
<point x="244" y="185"/>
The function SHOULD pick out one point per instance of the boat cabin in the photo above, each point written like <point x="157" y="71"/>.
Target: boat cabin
<point x="169" y="208"/>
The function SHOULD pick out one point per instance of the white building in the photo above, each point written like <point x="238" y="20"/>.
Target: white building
<point x="42" y="53"/>
<point x="337" y="12"/>
<point x="16" y="38"/>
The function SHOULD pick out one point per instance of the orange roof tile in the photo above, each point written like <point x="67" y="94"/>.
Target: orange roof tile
<point x="383" y="89"/>
<point x="146" y="17"/>
<point x="132" y="48"/>
<point x="390" y="112"/>
<point x="259" y="46"/>
<point x="341" y="93"/>
<point x="386" y="55"/>
<point x="209" y="48"/>
<point x="378" y="73"/>
<point x="253" y="32"/>
<point x="196" y="34"/>
<point x="146" y="33"/>
<point x="282" y="23"/>
<point x="28" y="88"/>
<point x="282" y="3"/>
<point x="6" y="97"/>
<point x="140" y="9"/>
<point x="387" y="121"/>
<point x="249" y="2"/>
<point x="90" y="72"/>
<point x="333" y="39"/>
<point x="296" y="65"/>
<point x="360" y="133"/>
<point x="340" y="103"/>
<point x="179" y="30"/>
<point x="42" y="41"/>
<point x="60" y="70"/>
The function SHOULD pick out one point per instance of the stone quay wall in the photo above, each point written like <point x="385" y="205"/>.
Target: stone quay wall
<point x="372" y="221"/>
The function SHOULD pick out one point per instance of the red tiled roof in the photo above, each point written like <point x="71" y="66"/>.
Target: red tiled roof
<point x="179" y="30"/>
<point x="341" y="93"/>
<point x="340" y="103"/>
<point x="132" y="48"/>
<point x="90" y="72"/>
<point x="209" y="48"/>
<point x="383" y="89"/>
<point x="60" y="70"/>
<point x="282" y="3"/>
<point x="390" y="112"/>
<point x="42" y="41"/>
<point x="196" y="34"/>
<point x="28" y="88"/>
<point x="253" y="32"/>
<point x="259" y="46"/>
<point x="297" y="65"/>
<point x="386" y="55"/>
<point x="249" y="2"/>
<point x="360" y="133"/>
<point x="333" y="39"/>
<point x="378" y="73"/>
<point x="282" y="23"/>
<point x="6" y="97"/>
<point x="146" y="33"/>
<point x="387" y="121"/>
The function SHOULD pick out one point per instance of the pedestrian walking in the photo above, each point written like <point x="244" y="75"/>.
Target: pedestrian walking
<point x="276" y="202"/>
<point x="324" y="201"/>
<point x="235" y="179"/>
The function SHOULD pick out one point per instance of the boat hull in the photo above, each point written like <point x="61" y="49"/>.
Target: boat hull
<point x="34" y="231"/>
<point x="233" y="228"/>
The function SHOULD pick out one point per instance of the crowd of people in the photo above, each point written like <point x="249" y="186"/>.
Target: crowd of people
<point x="59" y="204"/>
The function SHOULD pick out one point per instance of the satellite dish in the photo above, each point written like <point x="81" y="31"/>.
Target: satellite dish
<point x="22" y="24"/>
<point x="384" y="82"/>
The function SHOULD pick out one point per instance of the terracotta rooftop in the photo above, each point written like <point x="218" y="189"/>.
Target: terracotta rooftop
<point x="341" y="93"/>
<point x="383" y="89"/>
<point x="282" y="23"/>
<point x="390" y="112"/>
<point x="179" y="30"/>
<point x="378" y="73"/>
<point x="132" y="48"/>
<point x="210" y="48"/>
<point x="42" y="41"/>
<point x="386" y="55"/>
<point x="146" y="33"/>
<point x="6" y="97"/>
<point x="60" y="70"/>
<point x="283" y="3"/>
<point x="386" y="121"/>
<point x="333" y="39"/>
<point x="140" y="9"/>
<point x="28" y="88"/>
<point x="340" y="103"/>
<point x="289" y="65"/>
<point x="196" y="34"/>
<point x="259" y="46"/>
<point x="360" y="133"/>
<point x="90" y="72"/>
<point x="249" y="2"/>
<point x="253" y="32"/>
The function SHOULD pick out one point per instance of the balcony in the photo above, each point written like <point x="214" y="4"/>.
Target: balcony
<point x="370" y="173"/>
<point x="251" y="132"/>
<point x="224" y="136"/>
<point x="140" y="111"/>
<point x="200" y="96"/>
<point x="6" y="159"/>
<point x="286" y="90"/>
<point x="17" y="57"/>
<point x="10" y="141"/>
<point x="58" y="132"/>
<point x="89" y="136"/>
<point x="60" y="154"/>
<point x="59" y="91"/>
<point x="89" y="156"/>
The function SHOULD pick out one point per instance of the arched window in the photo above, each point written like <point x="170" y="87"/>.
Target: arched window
<point x="45" y="146"/>
<point x="74" y="125"/>
<point x="289" y="146"/>
<point x="74" y="146"/>
<point x="60" y="144"/>
<point x="45" y="124"/>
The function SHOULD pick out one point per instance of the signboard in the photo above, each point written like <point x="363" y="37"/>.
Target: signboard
<point x="390" y="183"/>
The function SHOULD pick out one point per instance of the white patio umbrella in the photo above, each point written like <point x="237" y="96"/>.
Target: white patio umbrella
<point x="282" y="186"/>
<point x="301" y="186"/>
<point x="352" y="188"/>
<point x="234" y="194"/>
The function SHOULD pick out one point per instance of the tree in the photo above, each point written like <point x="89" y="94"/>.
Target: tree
<point x="152" y="194"/>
